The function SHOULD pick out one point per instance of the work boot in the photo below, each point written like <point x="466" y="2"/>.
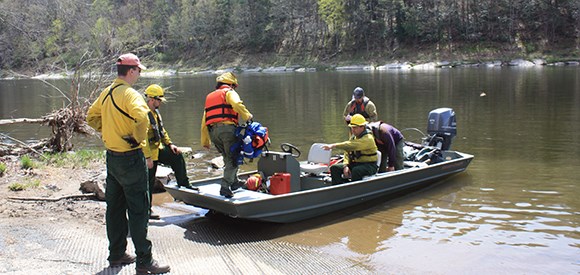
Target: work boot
<point x="238" y="184"/>
<point x="154" y="268"/>
<point x="124" y="260"/>
<point x="154" y="216"/>
<point x="189" y="186"/>
<point x="226" y="192"/>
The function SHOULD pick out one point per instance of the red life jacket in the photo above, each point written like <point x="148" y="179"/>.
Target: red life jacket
<point x="217" y="109"/>
<point x="355" y="108"/>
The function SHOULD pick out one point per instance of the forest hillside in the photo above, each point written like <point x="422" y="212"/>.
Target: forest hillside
<point x="51" y="35"/>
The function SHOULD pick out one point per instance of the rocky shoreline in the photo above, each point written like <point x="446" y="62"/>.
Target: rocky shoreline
<point x="405" y="65"/>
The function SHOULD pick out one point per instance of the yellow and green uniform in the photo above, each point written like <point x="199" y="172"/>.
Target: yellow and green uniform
<point x="160" y="152"/>
<point x="127" y="190"/>
<point x="104" y="117"/>
<point x="360" y="156"/>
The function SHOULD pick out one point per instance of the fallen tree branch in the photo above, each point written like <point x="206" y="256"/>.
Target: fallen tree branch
<point x="81" y="196"/>
<point x="24" y="144"/>
<point x="22" y="120"/>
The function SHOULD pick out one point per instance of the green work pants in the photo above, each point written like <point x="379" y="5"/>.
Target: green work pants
<point x="358" y="170"/>
<point x="127" y="197"/>
<point x="223" y="136"/>
<point x="398" y="154"/>
<point x="177" y="164"/>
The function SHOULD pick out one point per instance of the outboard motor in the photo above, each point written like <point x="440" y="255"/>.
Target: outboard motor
<point x="441" y="128"/>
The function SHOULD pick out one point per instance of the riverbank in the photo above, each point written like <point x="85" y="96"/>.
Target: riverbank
<point x="271" y="65"/>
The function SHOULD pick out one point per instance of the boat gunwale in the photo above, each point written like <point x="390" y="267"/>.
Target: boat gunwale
<point x="380" y="176"/>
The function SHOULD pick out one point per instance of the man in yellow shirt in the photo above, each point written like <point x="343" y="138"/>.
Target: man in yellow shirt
<point x="120" y="114"/>
<point x="160" y="147"/>
<point x="223" y="110"/>
<point x="360" y="157"/>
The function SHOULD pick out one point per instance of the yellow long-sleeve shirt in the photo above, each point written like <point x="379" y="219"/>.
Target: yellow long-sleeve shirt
<point x="152" y="148"/>
<point x="365" y="144"/>
<point x="233" y="99"/>
<point x="104" y="117"/>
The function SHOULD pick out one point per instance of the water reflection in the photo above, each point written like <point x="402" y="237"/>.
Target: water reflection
<point x="514" y="211"/>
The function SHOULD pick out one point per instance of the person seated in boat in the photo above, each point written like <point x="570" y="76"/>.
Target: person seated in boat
<point x="223" y="109"/>
<point x="390" y="143"/>
<point x="360" y="104"/>
<point x="360" y="157"/>
<point x="160" y="149"/>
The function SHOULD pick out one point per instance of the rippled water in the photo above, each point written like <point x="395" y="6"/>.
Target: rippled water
<point x="515" y="211"/>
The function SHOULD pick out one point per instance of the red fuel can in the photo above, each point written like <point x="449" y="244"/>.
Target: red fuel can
<point x="280" y="183"/>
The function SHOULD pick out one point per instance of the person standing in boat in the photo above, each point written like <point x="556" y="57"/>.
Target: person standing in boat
<point x="160" y="148"/>
<point x="360" y="104"/>
<point x="223" y="110"/>
<point x="120" y="115"/>
<point x="390" y="142"/>
<point x="360" y="157"/>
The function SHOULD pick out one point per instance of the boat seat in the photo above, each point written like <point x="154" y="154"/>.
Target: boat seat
<point x="318" y="160"/>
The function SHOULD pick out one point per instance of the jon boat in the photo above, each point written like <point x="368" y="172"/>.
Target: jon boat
<point x="310" y="192"/>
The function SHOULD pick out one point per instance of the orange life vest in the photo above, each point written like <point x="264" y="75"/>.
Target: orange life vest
<point x="355" y="108"/>
<point x="217" y="109"/>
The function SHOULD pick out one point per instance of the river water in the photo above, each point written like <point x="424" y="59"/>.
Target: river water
<point x="516" y="210"/>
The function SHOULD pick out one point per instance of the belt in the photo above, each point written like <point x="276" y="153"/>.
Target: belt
<point x="123" y="154"/>
<point x="218" y="124"/>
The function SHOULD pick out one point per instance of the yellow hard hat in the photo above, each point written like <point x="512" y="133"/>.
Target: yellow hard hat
<point x="357" y="120"/>
<point x="155" y="91"/>
<point x="228" y="78"/>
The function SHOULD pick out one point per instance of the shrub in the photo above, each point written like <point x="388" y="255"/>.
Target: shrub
<point x="2" y="168"/>
<point x="19" y="186"/>
<point x="26" y="162"/>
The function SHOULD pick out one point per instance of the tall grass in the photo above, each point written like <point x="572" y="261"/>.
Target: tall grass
<point x="28" y="183"/>
<point x="75" y="159"/>
<point x="26" y="162"/>
<point x="2" y="168"/>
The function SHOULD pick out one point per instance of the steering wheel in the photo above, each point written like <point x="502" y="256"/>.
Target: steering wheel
<point x="291" y="149"/>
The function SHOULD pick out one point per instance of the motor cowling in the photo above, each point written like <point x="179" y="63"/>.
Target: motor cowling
<point x="441" y="128"/>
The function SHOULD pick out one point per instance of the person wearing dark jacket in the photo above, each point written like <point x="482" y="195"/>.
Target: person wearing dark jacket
<point x="390" y="143"/>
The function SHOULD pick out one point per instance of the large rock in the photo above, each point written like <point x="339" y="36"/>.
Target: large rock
<point x="356" y="68"/>
<point x="521" y="63"/>
<point x="218" y="162"/>
<point x="97" y="185"/>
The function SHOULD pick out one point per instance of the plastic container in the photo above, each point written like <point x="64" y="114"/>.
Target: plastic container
<point x="280" y="183"/>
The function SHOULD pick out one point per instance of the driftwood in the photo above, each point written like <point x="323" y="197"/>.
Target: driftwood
<point x="22" y="120"/>
<point x="79" y="196"/>
<point x="63" y="122"/>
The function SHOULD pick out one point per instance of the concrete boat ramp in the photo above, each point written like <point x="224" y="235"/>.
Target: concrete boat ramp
<point x="184" y="238"/>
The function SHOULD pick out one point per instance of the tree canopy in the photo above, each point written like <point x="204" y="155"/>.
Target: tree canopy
<point x="48" y="34"/>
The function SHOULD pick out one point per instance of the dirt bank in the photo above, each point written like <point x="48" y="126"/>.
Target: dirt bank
<point x="57" y="190"/>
